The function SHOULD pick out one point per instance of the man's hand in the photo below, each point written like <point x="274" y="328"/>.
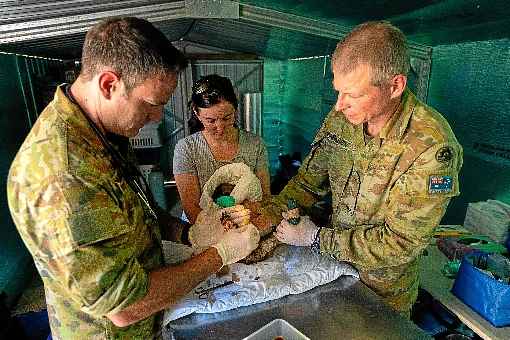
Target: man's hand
<point x="257" y="217"/>
<point x="238" y="243"/>
<point x="301" y="234"/>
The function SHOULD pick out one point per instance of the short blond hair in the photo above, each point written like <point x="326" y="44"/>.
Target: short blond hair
<point x="379" y="45"/>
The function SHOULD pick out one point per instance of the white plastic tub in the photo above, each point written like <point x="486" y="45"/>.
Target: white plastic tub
<point x="277" y="329"/>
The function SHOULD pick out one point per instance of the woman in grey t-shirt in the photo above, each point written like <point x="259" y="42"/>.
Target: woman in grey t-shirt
<point x="218" y="142"/>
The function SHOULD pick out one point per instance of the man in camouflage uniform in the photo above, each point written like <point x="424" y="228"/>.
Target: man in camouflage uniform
<point x="390" y="162"/>
<point x="80" y="206"/>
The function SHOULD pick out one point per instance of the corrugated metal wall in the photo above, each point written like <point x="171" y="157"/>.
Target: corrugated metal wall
<point x="174" y="127"/>
<point x="246" y="76"/>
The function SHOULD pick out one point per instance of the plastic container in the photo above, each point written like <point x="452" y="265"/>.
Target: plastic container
<point x="483" y="293"/>
<point x="277" y="329"/>
<point x="147" y="137"/>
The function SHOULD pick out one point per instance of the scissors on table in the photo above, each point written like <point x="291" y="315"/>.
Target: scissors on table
<point x="203" y="293"/>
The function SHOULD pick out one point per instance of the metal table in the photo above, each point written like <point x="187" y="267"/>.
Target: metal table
<point x="342" y="309"/>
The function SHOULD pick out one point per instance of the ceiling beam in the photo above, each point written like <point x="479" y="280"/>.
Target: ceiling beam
<point x="315" y="27"/>
<point x="63" y="18"/>
<point x="77" y="23"/>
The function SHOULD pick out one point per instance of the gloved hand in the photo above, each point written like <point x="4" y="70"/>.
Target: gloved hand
<point x="238" y="243"/>
<point x="207" y="230"/>
<point x="301" y="234"/>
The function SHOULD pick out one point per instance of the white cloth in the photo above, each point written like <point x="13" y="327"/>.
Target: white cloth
<point x="246" y="185"/>
<point x="208" y="228"/>
<point x="491" y="218"/>
<point x="291" y="270"/>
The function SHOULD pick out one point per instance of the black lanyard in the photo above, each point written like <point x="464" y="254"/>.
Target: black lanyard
<point x="129" y="171"/>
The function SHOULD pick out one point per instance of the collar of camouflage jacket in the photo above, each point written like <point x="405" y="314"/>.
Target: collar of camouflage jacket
<point x="72" y="114"/>
<point x="397" y="125"/>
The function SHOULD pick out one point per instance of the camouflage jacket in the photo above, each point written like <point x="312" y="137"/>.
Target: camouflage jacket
<point x="388" y="193"/>
<point x="91" y="241"/>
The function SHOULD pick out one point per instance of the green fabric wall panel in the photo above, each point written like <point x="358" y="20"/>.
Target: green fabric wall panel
<point x="470" y="85"/>
<point x="294" y="104"/>
<point x="14" y="258"/>
<point x="274" y="88"/>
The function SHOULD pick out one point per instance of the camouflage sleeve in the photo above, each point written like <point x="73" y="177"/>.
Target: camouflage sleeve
<point x="93" y="252"/>
<point x="309" y="185"/>
<point x="415" y="208"/>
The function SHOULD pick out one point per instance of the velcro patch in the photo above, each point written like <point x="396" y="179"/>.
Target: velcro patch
<point x="444" y="155"/>
<point x="440" y="184"/>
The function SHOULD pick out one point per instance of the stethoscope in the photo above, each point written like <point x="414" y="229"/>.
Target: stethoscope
<point x="129" y="171"/>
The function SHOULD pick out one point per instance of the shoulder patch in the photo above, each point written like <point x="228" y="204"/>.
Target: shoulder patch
<point x="444" y="155"/>
<point x="440" y="184"/>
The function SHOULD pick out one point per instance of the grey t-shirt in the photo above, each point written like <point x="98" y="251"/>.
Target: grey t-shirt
<point x="192" y="155"/>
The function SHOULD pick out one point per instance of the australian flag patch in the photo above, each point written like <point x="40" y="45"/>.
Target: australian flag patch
<point x="440" y="184"/>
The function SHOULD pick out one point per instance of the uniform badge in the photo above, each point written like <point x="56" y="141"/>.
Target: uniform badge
<point x="440" y="184"/>
<point x="444" y="155"/>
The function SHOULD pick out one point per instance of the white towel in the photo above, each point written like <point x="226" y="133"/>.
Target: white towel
<point x="291" y="270"/>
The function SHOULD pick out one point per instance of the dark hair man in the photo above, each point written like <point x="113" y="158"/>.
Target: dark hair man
<point x="80" y="206"/>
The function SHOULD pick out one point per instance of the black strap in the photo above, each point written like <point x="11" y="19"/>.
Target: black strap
<point x="128" y="170"/>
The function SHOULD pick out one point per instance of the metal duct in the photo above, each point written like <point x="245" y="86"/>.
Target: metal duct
<point x="251" y="113"/>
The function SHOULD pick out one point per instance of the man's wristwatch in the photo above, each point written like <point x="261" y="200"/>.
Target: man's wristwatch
<point x="316" y="244"/>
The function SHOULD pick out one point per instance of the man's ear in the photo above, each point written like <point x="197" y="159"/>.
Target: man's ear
<point x="108" y="82"/>
<point x="398" y="85"/>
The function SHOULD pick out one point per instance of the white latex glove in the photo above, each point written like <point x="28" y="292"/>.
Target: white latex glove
<point x="238" y="243"/>
<point x="301" y="234"/>
<point x="207" y="229"/>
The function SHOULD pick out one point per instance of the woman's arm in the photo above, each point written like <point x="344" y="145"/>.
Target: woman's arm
<point x="189" y="192"/>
